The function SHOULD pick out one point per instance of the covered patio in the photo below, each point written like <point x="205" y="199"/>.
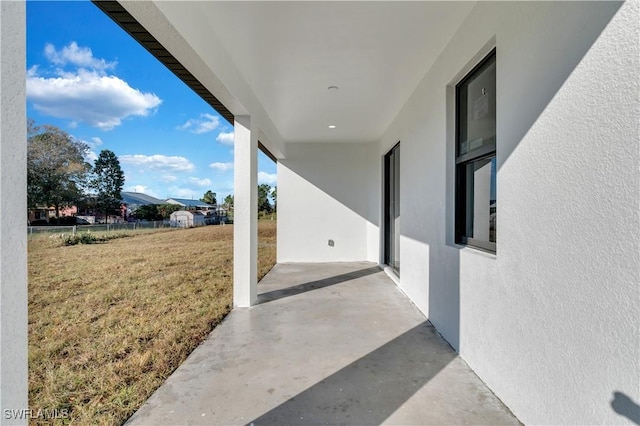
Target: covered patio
<point x="366" y="106"/>
<point x="332" y="343"/>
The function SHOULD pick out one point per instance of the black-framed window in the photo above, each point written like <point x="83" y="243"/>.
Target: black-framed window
<point x="476" y="201"/>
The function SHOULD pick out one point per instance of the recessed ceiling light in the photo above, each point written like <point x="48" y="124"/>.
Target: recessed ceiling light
<point x="332" y="88"/>
<point x="332" y="126"/>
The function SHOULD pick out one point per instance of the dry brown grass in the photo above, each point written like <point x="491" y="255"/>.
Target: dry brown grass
<point x="109" y="322"/>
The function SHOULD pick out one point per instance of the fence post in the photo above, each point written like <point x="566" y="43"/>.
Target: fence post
<point x="74" y="230"/>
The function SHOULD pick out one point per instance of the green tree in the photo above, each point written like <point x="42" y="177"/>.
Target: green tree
<point x="148" y="212"/>
<point x="274" y="197"/>
<point x="228" y="201"/>
<point x="165" y="210"/>
<point x="107" y="182"/>
<point x="209" y="197"/>
<point x="263" y="198"/>
<point x="56" y="167"/>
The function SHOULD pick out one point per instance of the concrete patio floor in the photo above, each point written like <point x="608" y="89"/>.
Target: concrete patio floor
<point x="327" y="344"/>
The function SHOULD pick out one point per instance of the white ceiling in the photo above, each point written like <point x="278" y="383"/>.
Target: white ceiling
<point x="290" y="52"/>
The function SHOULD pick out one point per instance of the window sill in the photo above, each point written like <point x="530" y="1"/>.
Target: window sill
<point x="475" y="250"/>
<point x="482" y="245"/>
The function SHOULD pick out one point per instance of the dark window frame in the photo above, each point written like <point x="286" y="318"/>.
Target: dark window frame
<point x="462" y="160"/>
<point x="391" y="199"/>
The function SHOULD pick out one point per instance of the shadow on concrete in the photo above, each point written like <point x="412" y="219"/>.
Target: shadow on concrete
<point x="625" y="406"/>
<point x="315" y="285"/>
<point x="370" y="389"/>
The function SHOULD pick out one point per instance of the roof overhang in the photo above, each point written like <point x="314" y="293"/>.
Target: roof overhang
<point x="275" y="61"/>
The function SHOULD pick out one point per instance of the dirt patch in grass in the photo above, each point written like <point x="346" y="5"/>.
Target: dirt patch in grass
<point x="109" y="322"/>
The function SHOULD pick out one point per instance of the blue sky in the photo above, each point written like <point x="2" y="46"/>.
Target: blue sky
<point x="90" y="78"/>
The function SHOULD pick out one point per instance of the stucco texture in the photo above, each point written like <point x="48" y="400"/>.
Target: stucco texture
<point x="551" y="321"/>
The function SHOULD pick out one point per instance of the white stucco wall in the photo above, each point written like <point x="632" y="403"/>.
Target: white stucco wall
<point x="550" y="323"/>
<point x="13" y="220"/>
<point x="327" y="192"/>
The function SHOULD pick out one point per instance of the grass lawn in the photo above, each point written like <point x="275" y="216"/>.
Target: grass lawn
<point x="109" y="322"/>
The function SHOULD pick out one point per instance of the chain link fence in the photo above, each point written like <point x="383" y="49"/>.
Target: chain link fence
<point x="48" y="231"/>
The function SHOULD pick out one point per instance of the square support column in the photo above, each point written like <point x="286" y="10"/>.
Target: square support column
<point x="245" y="216"/>
<point x="13" y="214"/>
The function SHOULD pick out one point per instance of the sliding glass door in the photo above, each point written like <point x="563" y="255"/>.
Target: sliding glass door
<point x="392" y="208"/>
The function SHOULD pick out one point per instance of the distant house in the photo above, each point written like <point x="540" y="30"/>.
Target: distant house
<point x="43" y="215"/>
<point x="40" y="214"/>
<point x="133" y="200"/>
<point x="87" y="211"/>
<point x="188" y="204"/>
<point x="187" y="219"/>
<point x="68" y="211"/>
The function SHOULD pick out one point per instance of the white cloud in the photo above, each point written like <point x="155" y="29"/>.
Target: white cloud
<point x="221" y="167"/>
<point x="225" y="138"/>
<point x="200" y="182"/>
<point x="85" y="94"/>
<point x="33" y="71"/>
<point x="159" y="162"/>
<point x="93" y="142"/>
<point x="179" y="192"/>
<point x="186" y="125"/>
<point x="268" y="178"/>
<point x="141" y="189"/>
<point x="79" y="56"/>
<point x="90" y="156"/>
<point x="206" y="123"/>
<point x="98" y="100"/>
<point x="168" y="178"/>
<point x="136" y="188"/>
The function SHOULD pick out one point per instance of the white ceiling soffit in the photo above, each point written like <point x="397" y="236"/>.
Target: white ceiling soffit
<point x="289" y="53"/>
